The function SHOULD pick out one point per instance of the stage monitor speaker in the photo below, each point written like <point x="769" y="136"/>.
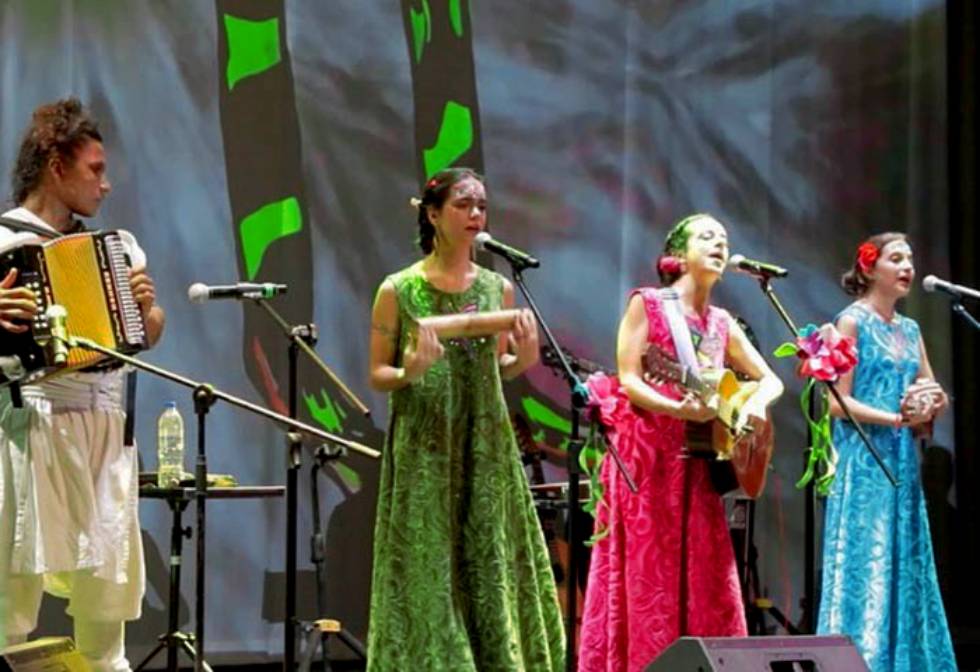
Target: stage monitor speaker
<point x="48" y="654"/>
<point x="833" y="653"/>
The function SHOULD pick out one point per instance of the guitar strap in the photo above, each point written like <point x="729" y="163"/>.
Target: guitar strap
<point x="721" y="472"/>
<point x="679" y="331"/>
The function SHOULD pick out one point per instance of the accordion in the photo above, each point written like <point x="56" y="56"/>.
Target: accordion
<point x="86" y="273"/>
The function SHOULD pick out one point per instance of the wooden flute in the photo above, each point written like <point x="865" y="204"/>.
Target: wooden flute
<point x="470" y="325"/>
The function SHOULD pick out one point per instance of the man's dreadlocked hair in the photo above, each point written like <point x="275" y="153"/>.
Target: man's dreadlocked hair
<point x="57" y="129"/>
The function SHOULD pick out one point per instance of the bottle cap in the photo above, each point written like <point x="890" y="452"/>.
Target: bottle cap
<point x="170" y="404"/>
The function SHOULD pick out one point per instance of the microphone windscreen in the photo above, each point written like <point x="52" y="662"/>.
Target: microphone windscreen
<point x="929" y="283"/>
<point x="198" y="292"/>
<point x="482" y="239"/>
<point x="735" y="260"/>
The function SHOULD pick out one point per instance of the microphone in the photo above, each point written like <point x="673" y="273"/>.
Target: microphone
<point x="931" y="283"/>
<point x="199" y="292"/>
<point x="758" y="269"/>
<point x="57" y="315"/>
<point x="485" y="241"/>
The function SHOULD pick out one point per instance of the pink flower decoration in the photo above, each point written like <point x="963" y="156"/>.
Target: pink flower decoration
<point x="826" y="353"/>
<point x="607" y="399"/>
<point x="668" y="264"/>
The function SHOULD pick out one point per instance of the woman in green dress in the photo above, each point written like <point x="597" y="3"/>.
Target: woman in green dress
<point x="461" y="576"/>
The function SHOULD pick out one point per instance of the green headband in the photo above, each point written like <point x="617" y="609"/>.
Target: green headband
<point x="677" y="238"/>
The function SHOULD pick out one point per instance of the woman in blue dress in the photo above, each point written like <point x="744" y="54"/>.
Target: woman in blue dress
<point x="879" y="576"/>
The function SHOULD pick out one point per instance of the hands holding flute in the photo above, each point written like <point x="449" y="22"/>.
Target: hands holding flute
<point x="522" y="345"/>
<point x="518" y="351"/>
<point x="421" y="352"/>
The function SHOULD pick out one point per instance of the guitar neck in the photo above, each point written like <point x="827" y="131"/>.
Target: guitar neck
<point x="659" y="364"/>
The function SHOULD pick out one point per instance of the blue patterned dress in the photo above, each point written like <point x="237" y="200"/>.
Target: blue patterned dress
<point x="879" y="577"/>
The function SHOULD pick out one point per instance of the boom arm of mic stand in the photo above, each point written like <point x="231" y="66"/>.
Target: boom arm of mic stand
<point x="301" y="343"/>
<point x="580" y="396"/>
<point x="580" y="393"/>
<point x="770" y="293"/>
<point x="78" y="342"/>
<point x="961" y="310"/>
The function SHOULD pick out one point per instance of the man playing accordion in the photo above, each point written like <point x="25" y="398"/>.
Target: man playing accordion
<point x="68" y="479"/>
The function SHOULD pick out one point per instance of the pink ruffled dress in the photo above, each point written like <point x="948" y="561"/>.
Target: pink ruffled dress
<point x="666" y="567"/>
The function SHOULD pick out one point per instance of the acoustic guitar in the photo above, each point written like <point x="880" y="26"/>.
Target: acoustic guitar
<point x="729" y="438"/>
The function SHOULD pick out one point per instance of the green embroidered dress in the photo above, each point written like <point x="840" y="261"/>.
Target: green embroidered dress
<point x="461" y="575"/>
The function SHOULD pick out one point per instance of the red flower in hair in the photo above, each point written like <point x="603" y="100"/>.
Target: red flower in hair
<point x="867" y="256"/>
<point x="431" y="183"/>
<point x="668" y="264"/>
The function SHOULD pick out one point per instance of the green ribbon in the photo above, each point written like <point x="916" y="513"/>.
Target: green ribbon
<point x="821" y="463"/>
<point x="590" y="461"/>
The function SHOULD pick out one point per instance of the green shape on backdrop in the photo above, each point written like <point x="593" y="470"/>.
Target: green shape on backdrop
<point x="421" y="28"/>
<point x="351" y="479"/>
<point x="543" y="415"/>
<point x="455" y="138"/>
<point x="328" y="414"/>
<point x="253" y="47"/>
<point x="456" y="16"/>
<point x="265" y="226"/>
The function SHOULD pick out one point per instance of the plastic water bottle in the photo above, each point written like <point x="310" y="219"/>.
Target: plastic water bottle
<point x="170" y="446"/>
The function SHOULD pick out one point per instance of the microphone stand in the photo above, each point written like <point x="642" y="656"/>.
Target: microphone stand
<point x="301" y="337"/>
<point x="204" y="397"/>
<point x="809" y="521"/>
<point x="961" y="310"/>
<point x="579" y="394"/>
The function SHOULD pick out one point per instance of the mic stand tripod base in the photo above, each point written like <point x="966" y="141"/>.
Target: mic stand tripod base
<point x="318" y="632"/>
<point x="172" y="641"/>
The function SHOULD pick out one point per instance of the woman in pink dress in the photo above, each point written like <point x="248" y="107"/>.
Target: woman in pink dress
<point x="665" y="567"/>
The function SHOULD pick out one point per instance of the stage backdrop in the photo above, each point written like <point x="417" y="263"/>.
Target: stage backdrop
<point x="280" y="140"/>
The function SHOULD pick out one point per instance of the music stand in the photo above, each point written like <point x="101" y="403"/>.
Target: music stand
<point x="174" y="640"/>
